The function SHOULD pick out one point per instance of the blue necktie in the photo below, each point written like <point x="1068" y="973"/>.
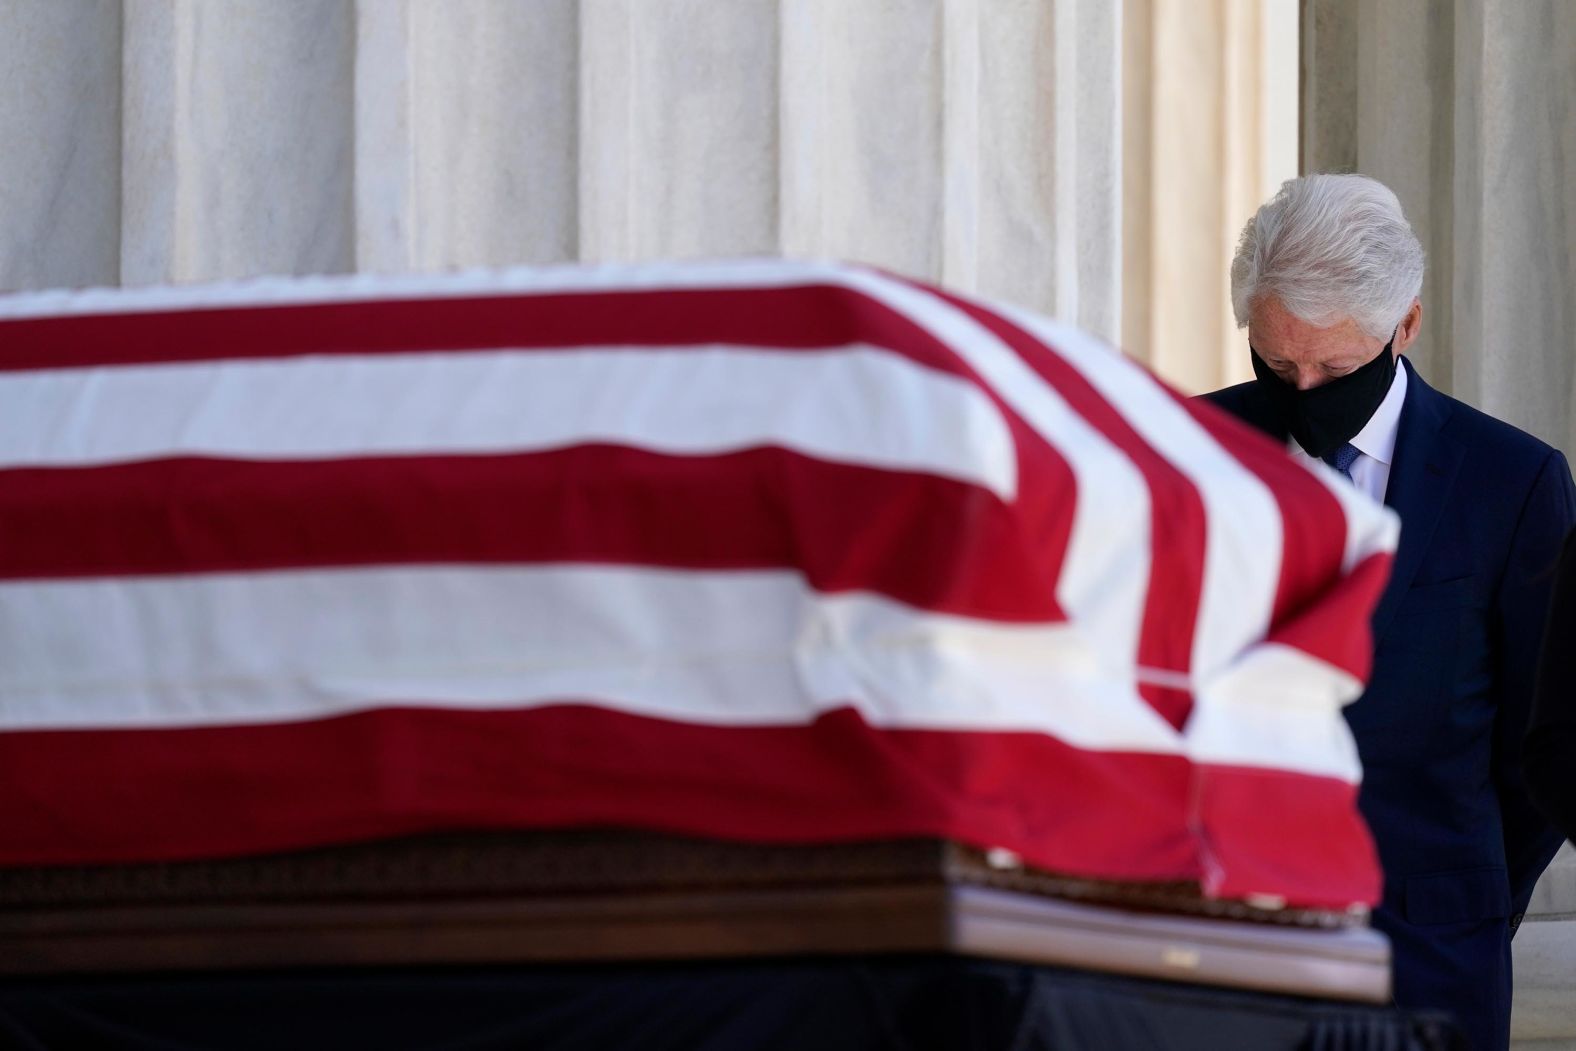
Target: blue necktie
<point x="1343" y="458"/>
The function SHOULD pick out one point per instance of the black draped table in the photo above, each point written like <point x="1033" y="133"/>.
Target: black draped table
<point x="890" y="1002"/>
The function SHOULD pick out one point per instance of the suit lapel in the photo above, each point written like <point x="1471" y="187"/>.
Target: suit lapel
<point x="1425" y="468"/>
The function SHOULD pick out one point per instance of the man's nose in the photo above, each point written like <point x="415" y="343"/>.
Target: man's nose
<point x="1307" y="379"/>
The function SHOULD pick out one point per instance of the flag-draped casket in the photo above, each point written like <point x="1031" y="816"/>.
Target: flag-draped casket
<point x="754" y="550"/>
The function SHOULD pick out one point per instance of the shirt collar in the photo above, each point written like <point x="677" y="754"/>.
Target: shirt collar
<point x="1377" y="438"/>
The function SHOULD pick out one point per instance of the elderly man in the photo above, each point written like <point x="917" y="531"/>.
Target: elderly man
<point x="1326" y="281"/>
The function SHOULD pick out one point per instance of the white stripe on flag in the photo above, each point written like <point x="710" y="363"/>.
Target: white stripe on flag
<point x="1242" y="522"/>
<point x="1303" y="730"/>
<point x="568" y="279"/>
<point x="853" y="405"/>
<point x="1105" y="577"/>
<point x="727" y="648"/>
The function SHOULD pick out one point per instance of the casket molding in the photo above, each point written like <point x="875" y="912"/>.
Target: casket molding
<point x="588" y="896"/>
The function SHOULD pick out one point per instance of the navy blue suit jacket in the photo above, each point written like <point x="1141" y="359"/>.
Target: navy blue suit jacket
<point x="1484" y="509"/>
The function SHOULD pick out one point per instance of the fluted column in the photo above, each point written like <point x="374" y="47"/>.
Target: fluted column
<point x="678" y="128"/>
<point x="237" y="155"/>
<point x="1514" y="245"/>
<point x="1047" y="155"/>
<point x="60" y="123"/>
<point x="383" y="143"/>
<point x="1210" y="134"/>
<point x="492" y="115"/>
<point x="974" y="144"/>
<point x="863" y="128"/>
<point x="1463" y="107"/>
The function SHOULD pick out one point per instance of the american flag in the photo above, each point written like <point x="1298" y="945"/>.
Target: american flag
<point x="758" y="550"/>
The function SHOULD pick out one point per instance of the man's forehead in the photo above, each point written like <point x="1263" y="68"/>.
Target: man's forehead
<point x="1275" y="330"/>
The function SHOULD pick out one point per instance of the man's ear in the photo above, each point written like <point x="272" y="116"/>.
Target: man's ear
<point x="1410" y="326"/>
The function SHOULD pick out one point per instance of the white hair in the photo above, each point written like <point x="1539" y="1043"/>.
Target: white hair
<point x="1330" y="247"/>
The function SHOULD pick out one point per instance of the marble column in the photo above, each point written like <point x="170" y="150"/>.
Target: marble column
<point x="60" y="123"/>
<point x="1514" y="244"/>
<point x="1464" y="108"/>
<point x="1210" y="134"/>
<point x="975" y="144"/>
<point x="679" y="128"/>
<point x="465" y="133"/>
<point x="236" y="139"/>
<point x="1048" y="155"/>
<point x="864" y="132"/>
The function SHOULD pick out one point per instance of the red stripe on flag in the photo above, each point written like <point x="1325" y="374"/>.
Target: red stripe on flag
<point x="809" y="317"/>
<point x="125" y="796"/>
<point x="1324" y="858"/>
<point x="121" y="796"/>
<point x="932" y="542"/>
<point x="1338" y="628"/>
<point x="1177" y="530"/>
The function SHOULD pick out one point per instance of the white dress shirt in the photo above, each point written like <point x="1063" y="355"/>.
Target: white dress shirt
<point x="1376" y="441"/>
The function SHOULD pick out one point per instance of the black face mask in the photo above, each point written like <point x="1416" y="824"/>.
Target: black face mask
<point x="1327" y="417"/>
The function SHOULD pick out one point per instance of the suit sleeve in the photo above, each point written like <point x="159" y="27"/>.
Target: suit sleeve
<point x="1523" y="600"/>
<point x="1550" y="751"/>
